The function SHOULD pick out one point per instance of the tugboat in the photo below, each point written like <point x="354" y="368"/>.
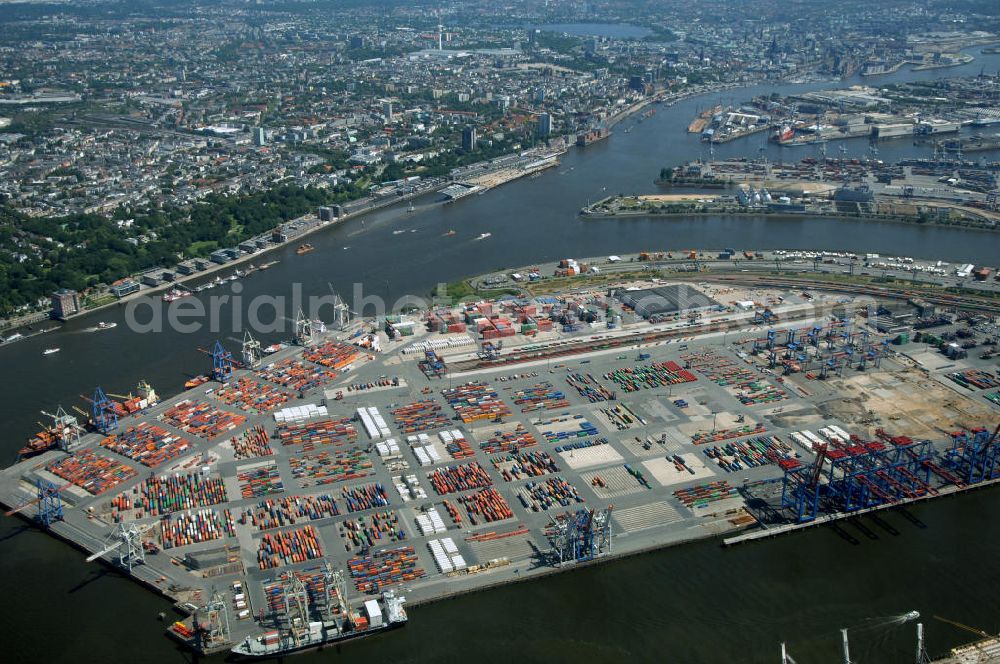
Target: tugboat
<point x="378" y="616"/>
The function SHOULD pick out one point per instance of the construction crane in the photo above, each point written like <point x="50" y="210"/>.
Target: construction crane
<point x="103" y="411"/>
<point x="847" y="647"/>
<point x="341" y="312"/>
<point x="48" y="500"/>
<point x="127" y="540"/>
<point x="922" y="656"/>
<point x="820" y="451"/>
<point x="303" y="329"/>
<point x="993" y="439"/>
<point x="214" y="630"/>
<point x="974" y="630"/>
<point x="251" y="351"/>
<point x="222" y="362"/>
<point x="63" y="433"/>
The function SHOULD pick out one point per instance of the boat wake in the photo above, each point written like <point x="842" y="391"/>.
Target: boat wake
<point x="887" y="621"/>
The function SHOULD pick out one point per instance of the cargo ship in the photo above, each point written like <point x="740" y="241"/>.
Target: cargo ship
<point x="145" y="397"/>
<point x="783" y="135"/>
<point x="588" y="137"/>
<point x="63" y="430"/>
<point x="378" y="616"/>
<point x="44" y="440"/>
<point x="195" y="382"/>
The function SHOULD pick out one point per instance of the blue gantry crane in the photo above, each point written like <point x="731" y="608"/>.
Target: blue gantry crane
<point x="582" y="535"/>
<point x="975" y="455"/>
<point x="103" y="412"/>
<point x="50" y="506"/>
<point x="856" y="475"/>
<point x="222" y="363"/>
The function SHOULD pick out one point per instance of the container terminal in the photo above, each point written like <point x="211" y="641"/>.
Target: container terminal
<point x="321" y="490"/>
<point x="940" y="190"/>
<point x="904" y="110"/>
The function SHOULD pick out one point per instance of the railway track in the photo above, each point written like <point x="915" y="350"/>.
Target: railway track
<point x="970" y="302"/>
<point x="585" y="345"/>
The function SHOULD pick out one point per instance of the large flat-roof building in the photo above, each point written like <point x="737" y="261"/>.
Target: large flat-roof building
<point x="469" y="139"/>
<point x="666" y="300"/>
<point x="65" y="302"/>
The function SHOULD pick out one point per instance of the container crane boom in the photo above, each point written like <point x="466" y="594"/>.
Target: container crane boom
<point x="977" y="632"/>
<point x="33" y="501"/>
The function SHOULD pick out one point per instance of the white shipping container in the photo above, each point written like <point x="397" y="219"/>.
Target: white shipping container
<point x="813" y="438"/>
<point x="802" y="440"/>
<point x="374" y="613"/>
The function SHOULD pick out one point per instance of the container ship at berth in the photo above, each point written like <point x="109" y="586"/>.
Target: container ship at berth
<point x="63" y="431"/>
<point x="378" y="616"/>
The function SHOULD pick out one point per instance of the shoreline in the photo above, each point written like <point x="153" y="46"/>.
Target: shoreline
<point x="895" y="219"/>
<point x="738" y="268"/>
<point x="662" y="97"/>
<point x="82" y="527"/>
<point x="244" y="258"/>
<point x="73" y="537"/>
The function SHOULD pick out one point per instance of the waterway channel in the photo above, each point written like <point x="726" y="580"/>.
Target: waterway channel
<point x="696" y="603"/>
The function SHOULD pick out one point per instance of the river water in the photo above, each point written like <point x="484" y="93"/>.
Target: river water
<point x="696" y="603"/>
